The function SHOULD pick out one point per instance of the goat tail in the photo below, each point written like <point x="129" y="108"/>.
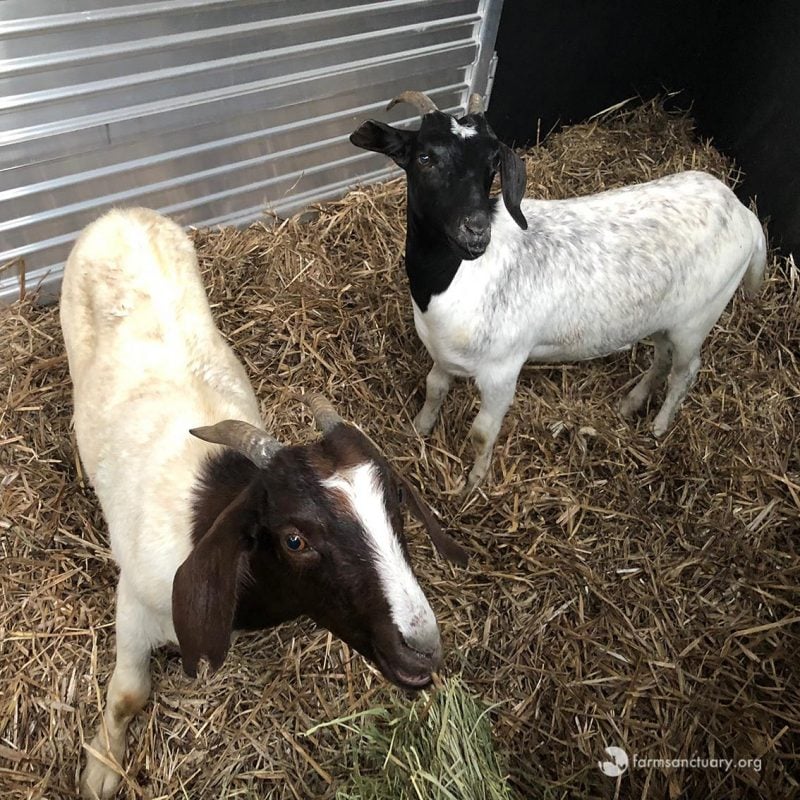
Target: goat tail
<point x="754" y="275"/>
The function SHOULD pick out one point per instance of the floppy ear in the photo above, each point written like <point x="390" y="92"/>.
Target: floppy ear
<point x="382" y="138"/>
<point x="445" y="545"/>
<point x="512" y="177"/>
<point x="205" y="585"/>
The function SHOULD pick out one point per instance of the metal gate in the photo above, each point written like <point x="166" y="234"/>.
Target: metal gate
<point x="209" y="111"/>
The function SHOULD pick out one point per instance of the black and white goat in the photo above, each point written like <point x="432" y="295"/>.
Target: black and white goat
<point x="496" y="284"/>
<point x="214" y="538"/>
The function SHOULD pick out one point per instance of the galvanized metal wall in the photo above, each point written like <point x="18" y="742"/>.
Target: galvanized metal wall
<point x="209" y="111"/>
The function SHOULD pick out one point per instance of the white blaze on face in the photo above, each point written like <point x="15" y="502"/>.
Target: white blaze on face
<point x="410" y="610"/>
<point x="464" y="131"/>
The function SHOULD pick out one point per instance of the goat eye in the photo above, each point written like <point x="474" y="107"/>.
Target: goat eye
<point x="401" y="495"/>
<point x="424" y="159"/>
<point x="296" y="543"/>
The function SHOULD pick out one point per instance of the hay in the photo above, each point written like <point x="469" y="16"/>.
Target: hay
<point x="438" y="747"/>
<point x="621" y="591"/>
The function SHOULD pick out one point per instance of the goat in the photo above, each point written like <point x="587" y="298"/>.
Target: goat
<point x="494" y="285"/>
<point x="225" y="529"/>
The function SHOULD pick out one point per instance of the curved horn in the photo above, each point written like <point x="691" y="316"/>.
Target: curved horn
<point x="243" y="437"/>
<point x="325" y="415"/>
<point x="475" y="104"/>
<point x="419" y="100"/>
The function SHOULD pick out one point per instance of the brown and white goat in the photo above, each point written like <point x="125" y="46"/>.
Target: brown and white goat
<point x="227" y="529"/>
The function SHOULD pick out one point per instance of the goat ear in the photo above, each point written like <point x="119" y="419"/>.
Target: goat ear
<point x="447" y="546"/>
<point x="205" y="586"/>
<point x="382" y="138"/>
<point x="512" y="177"/>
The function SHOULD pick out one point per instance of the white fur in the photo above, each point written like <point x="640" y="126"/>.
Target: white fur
<point x="410" y="610"/>
<point x="591" y="276"/>
<point x="132" y="297"/>
<point x="463" y="131"/>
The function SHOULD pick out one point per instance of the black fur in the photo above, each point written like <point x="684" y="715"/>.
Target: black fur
<point x="449" y="208"/>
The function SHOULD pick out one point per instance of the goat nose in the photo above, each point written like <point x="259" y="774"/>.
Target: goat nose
<point x="426" y="641"/>
<point x="476" y="225"/>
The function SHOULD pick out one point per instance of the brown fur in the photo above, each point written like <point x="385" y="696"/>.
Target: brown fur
<point x="240" y="573"/>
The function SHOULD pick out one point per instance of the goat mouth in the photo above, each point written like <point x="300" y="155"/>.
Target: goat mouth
<point x="409" y="678"/>
<point x="415" y="682"/>
<point x="467" y="252"/>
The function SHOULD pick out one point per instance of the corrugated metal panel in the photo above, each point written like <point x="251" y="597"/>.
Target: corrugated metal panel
<point x="208" y="110"/>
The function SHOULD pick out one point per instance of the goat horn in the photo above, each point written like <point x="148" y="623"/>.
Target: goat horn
<point x="243" y="437"/>
<point x="325" y="415"/>
<point x="475" y="104"/>
<point x="420" y="101"/>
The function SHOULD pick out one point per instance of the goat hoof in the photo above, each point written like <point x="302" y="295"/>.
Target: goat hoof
<point x="476" y="476"/>
<point x="660" y="428"/>
<point x="631" y="405"/>
<point x="423" y="424"/>
<point x="98" y="781"/>
<point x="627" y="410"/>
<point x="464" y="492"/>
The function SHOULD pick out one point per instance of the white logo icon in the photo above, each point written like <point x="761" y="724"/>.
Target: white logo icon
<point x="617" y="764"/>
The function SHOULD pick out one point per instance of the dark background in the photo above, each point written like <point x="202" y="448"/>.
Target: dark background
<point x="735" y="65"/>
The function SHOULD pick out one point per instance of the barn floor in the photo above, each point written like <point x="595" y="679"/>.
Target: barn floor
<point x="621" y="591"/>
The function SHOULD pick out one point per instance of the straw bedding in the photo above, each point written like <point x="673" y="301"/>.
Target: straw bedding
<point x="621" y="591"/>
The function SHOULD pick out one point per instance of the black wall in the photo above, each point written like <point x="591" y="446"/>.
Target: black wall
<point x="736" y="64"/>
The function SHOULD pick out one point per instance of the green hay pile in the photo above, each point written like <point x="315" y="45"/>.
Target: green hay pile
<point x="438" y="747"/>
